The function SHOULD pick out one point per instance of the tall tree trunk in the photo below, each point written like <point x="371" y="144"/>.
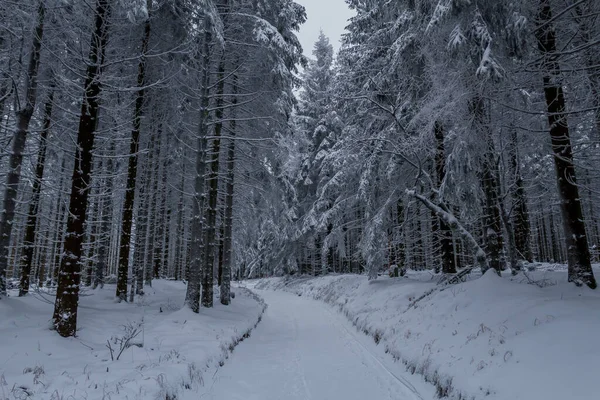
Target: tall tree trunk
<point x="580" y="269"/>
<point x="445" y="233"/>
<point x="105" y="223"/>
<point x="67" y="294"/>
<point x="157" y="259"/>
<point x="221" y="251"/>
<point x="127" y="221"/>
<point x="521" y="214"/>
<point x="554" y="246"/>
<point x="20" y="137"/>
<point x="213" y="194"/>
<point x="228" y="215"/>
<point x="492" y="222"/>
<point x="165" y="256"/>
<point x="197" y="246"/>
<point x="179" y="237"/>
<point x="59" y="214"/>
<point x="162" y="220"/>
<point x="32" y="216"/>
<point x="142" y="229"/>
<point x="151" y="227"/>
<point x="44" y="259"/>
<point x="400" y="242"/>
<point x="541" y="239"/>
<point x="92" y="230"/>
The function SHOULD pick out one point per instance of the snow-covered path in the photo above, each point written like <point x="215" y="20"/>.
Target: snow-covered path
<point x="304" y="350"/>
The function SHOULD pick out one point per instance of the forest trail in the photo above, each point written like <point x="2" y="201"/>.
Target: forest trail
<point x="304" y="350"/>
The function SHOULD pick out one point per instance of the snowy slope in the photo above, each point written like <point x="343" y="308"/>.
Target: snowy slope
<point x="176" y="346"/>
<point x="492" y="337"/>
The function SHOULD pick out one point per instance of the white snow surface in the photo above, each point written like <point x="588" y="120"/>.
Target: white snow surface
<point x="304" y="350"/>
<point x="178" y="349"/>
<point x="488" y="338"/>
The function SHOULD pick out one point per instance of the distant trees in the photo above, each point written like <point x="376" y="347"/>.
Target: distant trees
<point x="441" y="100"/>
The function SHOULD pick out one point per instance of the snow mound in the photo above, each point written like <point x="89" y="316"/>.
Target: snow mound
<point x="170" y="352"/>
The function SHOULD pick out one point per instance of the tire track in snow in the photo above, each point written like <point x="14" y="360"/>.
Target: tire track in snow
<point x="302" y="351"/>
<point x="298" y="361"/>
<point x="399" y="380"/>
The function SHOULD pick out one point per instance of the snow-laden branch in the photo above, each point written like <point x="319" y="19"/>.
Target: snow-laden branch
<point x="456" y="226"/>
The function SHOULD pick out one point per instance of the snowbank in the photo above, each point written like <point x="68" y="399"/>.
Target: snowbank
<point x="167" y="359"/>
<point x="493" y="338"/>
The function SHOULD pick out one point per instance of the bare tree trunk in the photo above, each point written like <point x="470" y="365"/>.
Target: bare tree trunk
<point x="43" y="262"/>
<point x="179" y="237"/>
<point x="127" y="221"/>
<point x="92" y="229"/>
<point x="157" y="258"/>
<point x="492" y="222"/>
<point x="151" y="228"/>
<point x="16" y="157"/>
<point x="67" y="294"/>
<point x="445" y="233"/>
<point x="400" y="243"/>
<point x="142" y="229"/>
<point x="32" y="216"/>
<point x="165" y="256"/>
<point x="213" y="194"/>
<point x="580" y="269"/>
<point x="221" y="251"/>
<point x="521" y="214"/>
<point x="197" y="245"/>
<point x="228" y="215"/>
<point x="105" y="223"/>
<point x="58" y="228"/>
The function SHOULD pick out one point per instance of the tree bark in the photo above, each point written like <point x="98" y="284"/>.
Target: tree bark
<point x="445" y="233"/>
<point x="213" y="195"/>
<point x="141" y="228"/>
<point x="67" y="294"/>
<point x="92" y="230"/>
<point x="580" y="269"/>
<point x="59" y="215"/>
<point x="105" y="224"/>
<point x="228" y="216"/>
<point x="127" y="221"/>
<point x="32" y="216"/>
<point x="19" y="139"/>
<point x="492" y="222"/>
<point x="154" y="167"/>
<point x="522" y="229"/>
<point x="197" y="244"/>
<point x="161" y="221"/>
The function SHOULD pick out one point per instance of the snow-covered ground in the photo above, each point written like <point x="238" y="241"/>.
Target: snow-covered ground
<point x="489" y="338"/>
<point x="172" y="355"/>
<point x="304" y="350"/>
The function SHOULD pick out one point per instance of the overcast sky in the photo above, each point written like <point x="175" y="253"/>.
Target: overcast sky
<point x="329" y="15"/>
